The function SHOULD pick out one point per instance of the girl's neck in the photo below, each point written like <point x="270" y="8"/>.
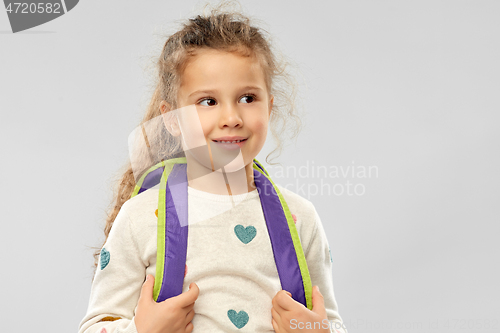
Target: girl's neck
<point x="218" y="182"/>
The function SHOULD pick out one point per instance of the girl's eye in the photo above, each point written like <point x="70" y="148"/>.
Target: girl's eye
<point x="211" y="102"/>
<point x="207" y="99"/>
<point x="251" y="97"/>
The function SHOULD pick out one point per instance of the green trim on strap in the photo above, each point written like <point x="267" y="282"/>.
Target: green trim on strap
<point x="160" y="239"/>
<point x="160" y="253"/>
<point x="304" y="270"/>
<point x="138" y="185"/>
<point x="255" y="160"/>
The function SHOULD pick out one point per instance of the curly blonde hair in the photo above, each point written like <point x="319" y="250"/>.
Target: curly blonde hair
<point x="221" y="28"/>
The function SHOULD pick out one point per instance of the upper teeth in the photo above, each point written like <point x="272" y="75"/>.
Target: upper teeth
<point x="230" y="141"/>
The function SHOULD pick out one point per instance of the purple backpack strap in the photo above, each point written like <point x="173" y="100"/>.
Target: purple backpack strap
<point x="284" y="252"/>
<point x="176" y="233"/>
<point x="152" y="179"/>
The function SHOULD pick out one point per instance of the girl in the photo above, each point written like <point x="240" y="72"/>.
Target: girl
<point x="214" y="100"/>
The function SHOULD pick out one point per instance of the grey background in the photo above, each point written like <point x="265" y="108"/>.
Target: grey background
<point x="410" y="87"/>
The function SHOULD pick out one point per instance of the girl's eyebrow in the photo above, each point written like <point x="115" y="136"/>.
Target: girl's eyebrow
<point x="216" y="91"/>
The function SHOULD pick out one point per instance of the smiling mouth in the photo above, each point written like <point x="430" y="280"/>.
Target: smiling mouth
<point x="234" y="141"/>
<point x="230" y="145"/>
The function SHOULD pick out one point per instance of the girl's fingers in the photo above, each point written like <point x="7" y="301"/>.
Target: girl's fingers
<point x="277" y="302"/>
<point x="275" y="314"/>
<point x="284" y="301"/>
<point x="276" y="327"/>
<point x="189" y="297"/>
<point x="147" y="288"/>
<point x="189" y="328"/>
<point x="190" y="316"/>
<point x="189" y="307"/>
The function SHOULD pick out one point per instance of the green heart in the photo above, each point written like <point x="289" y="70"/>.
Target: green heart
<point x="239" y="319"/>
<point x="104" y="258"/>
<point x="245" y="234"/>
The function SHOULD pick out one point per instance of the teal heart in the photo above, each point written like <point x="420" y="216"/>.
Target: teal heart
<point x="245" y="234"/>
<point x="239" y="319"/>
<point x="104" y="258"/>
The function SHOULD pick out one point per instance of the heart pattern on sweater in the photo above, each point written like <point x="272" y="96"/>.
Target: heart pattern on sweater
<point x="239" y="319"/>
<point x="245" y="234"/>
<point x="105" y="256"/>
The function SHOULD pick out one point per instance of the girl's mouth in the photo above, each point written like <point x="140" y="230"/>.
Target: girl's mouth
<point x="230" y="144"/>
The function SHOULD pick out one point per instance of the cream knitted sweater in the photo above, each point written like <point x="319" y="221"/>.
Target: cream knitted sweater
<point x="214" y="262"/>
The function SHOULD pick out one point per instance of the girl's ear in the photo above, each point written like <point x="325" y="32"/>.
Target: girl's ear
<point x="271" y="101"/>
<point x="169" y="119"/>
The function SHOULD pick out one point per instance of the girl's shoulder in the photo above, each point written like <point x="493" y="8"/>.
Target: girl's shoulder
<point x="142" y="208"/>
<point x="303" y="211"/>
<point x="295" y="200"/>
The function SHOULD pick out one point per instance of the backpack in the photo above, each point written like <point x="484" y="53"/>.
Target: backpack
<point x="172" y="230"/>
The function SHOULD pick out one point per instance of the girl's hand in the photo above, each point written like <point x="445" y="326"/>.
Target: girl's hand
<point x="173" y="315"/>
<point x="291" y="316"/>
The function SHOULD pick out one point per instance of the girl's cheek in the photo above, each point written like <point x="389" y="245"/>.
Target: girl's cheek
<point x="207" y="128"/>
<point x="256" y="121"/>
<point x="260" y="126"/>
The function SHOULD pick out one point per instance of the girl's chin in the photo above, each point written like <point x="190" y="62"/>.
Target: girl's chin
<point x="228" y="163"/>
<point x="235" y="165"/>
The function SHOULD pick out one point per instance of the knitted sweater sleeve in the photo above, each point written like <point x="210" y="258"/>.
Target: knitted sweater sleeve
<point x="117" y="282"/>
<point x="319" y="262"/>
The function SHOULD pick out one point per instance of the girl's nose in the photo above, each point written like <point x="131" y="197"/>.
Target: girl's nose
<point x="230" y="116"/>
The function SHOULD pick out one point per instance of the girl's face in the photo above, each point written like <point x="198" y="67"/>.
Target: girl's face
<point x="223" y="97"/>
